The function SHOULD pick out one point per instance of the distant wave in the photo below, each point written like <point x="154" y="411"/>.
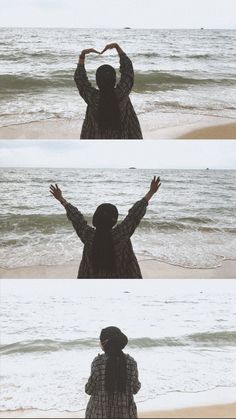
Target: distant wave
<point x="55" y="223"/>
<point x="205" y="339"/>
<point x="144" y="81"/>
<point x="22" y="83"/>
<point x="55" y="57"/>
<point x="158" y="80"/>
<point x="172" y="56"/>
<point x="26" y="56"/>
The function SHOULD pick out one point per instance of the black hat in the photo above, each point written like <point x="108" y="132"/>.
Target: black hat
<point x="105" y="76"/>
<point x="112" y="339"/>
<point x="105" y="216"/>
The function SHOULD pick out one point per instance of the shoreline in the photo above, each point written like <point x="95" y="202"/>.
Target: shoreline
<point x="217" y="132"/>
<point x="151" y="269"/>
<point x="154" y="126"/>
<point x="212" y="411"/>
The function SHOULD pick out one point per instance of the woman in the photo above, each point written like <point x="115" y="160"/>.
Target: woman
<point x="110" y="114"/>
<point x="113" y="379"/>
<point x="108" y="251"/>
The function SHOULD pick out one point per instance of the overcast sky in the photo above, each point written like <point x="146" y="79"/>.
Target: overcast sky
<point x="119" y="13"/>
<point x="119" y="154"/>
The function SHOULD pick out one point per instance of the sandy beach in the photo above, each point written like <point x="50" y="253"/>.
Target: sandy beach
<point x="154" y="126"/>
<point x="213" y="132"/>
<point x="215" y="411"/>
<point x="150" y="269"/>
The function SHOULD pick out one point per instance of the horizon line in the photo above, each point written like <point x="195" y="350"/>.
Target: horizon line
<point x="117" y="27"/>
<point x="111" y="168"/>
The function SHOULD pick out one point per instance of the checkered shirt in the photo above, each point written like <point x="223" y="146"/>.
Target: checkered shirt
<point x="118" y="405"/>
<point x="126" y="262"/>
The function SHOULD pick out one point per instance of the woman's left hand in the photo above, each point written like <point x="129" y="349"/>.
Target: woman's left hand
<point x="56" y="192"/>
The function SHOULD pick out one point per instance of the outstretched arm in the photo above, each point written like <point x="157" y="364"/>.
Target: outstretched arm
<point x="138" y="210"/>
<point x="85" y="88"/>
<point x="126" y="82"/>
<point x="74" y="215"/>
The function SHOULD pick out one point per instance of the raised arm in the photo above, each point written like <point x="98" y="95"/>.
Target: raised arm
<point x="138" y="210"/>
<point x="74" y="215"/>
<point x="126" y="82"/>
<point x="91" y="383"/>
<point x="128" y="226"/>
<point x="85" y="88"/>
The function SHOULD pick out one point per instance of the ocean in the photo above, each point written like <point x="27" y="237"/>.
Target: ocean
<point x="181" y="333"/>
<point x="190" y="72"/>
<point x="190" y="222"/>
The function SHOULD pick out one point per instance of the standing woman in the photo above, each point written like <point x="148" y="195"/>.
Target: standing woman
<point x="113" y="380"/>
<point x="110" y="113"/>
<point x="108" y="251"/>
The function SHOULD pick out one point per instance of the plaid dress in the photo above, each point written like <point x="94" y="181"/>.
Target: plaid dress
<point x="126" y="262"/>
<point x="130" y="127"/>
<point x="118" y="405"/>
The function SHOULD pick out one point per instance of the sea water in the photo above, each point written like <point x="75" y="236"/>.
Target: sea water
<point x="181" y="333"/>
<point x="176" y="72"/>
<point x="190" y="222"/>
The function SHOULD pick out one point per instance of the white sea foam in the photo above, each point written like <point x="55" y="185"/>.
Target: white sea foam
<point x="182" y="334"/>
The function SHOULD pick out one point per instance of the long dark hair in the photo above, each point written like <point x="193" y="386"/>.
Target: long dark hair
<point x="108" y="109"/>
<point x="103" y="254"/>
<point x="113" y="341"/>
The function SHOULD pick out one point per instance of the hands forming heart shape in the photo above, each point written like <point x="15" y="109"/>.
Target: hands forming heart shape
<point x="108" y="46"/>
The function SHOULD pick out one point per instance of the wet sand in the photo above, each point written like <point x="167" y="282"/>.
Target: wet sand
<point x="215" y="411"/>
<point x="213" y="132"/>
<point x="150" y="269"/>
<point x="154" y="126"/>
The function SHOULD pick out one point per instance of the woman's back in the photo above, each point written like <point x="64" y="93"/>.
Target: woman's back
<point x="116" y="405"/>
<point x="126" y="262"/>
<point x="129" y="124"/>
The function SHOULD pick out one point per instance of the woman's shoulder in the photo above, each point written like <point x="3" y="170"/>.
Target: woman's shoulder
<point x="130" y="359"/>
<point x="100" y="358"/>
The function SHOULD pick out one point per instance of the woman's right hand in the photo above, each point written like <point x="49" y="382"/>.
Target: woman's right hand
<point x="56" y="192"/>
<point x="112" y="46"/>
<point x="88" y="51"/>
<point x="155" y="184"/>
<point x="109" y="46"/>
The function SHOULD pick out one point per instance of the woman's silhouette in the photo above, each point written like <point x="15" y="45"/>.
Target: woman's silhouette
<point x="113" y="380"/>
<point x="108" y="251"/>
<point x="109" y="114"/>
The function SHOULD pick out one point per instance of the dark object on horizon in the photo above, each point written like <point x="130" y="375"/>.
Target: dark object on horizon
<point x="202" y="29"/>
<point x="127" y="27"/>
<point x="132" y="168"/>
<point x="207" y="168"/>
